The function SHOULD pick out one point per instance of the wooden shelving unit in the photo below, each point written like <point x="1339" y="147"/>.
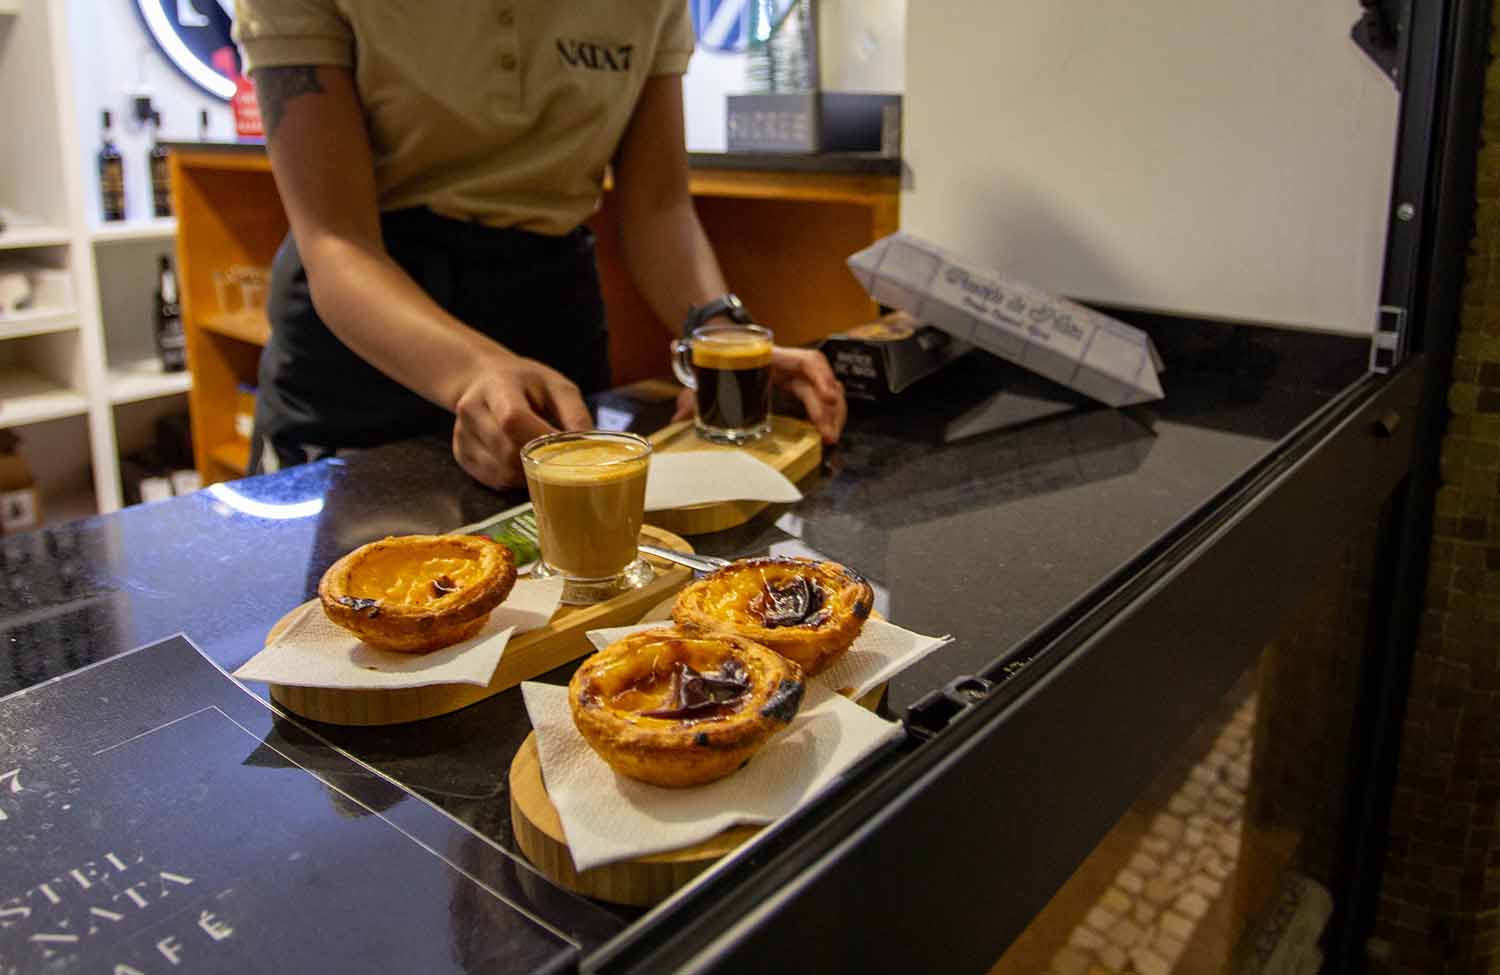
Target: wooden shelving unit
<point x="228" y="213"/>
<point x="251" y="326"/>
<point x="233" y="456"/>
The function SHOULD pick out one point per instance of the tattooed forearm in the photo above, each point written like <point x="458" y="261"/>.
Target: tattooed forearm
<point x="274" y="87"/>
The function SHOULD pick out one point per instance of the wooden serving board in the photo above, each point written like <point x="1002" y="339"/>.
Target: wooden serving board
<point x="526" y="656"/>
<point x="640" y="882"/>
<point x="793" y="447"/>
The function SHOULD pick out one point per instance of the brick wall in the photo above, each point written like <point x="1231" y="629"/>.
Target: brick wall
<point x="1440" y="899"/>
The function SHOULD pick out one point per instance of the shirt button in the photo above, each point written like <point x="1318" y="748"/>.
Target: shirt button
<point x="507" y="62"/>
<point x="507" y="18"/>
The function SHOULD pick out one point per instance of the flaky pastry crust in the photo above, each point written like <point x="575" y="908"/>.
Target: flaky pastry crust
<point x="681" y="708"/>
<point x="807" y="611"/>
<point x="418" y="593"/>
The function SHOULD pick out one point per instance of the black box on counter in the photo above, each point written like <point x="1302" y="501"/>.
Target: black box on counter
<point x="878" y="360"/>
<point x="814" y="121"/>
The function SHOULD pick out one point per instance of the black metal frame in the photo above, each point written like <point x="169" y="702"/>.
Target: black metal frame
<point x="1448" y="57"/>
<point x="938" y="859"/>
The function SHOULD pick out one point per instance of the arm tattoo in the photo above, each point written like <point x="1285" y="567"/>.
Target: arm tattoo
<point x="274" y="87"/>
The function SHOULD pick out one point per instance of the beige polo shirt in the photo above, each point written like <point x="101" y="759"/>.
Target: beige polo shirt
<point x="505" y="111"/>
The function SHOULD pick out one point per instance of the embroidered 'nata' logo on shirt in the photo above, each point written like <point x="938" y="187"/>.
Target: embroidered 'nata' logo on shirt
<point x="594" y="57"/>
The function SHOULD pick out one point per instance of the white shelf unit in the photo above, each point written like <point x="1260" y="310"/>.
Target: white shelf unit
<point x="26" y="398"/>
<point x="156" y="228"/>
<point x="23" y="236"/>
<point x="81" y="384"/>
<point x="37" y="321"/>
<point x="144" y="379"/>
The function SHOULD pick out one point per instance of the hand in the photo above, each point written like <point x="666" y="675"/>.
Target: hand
<point x="804" y="373"/>
<point x="507" y="402"/>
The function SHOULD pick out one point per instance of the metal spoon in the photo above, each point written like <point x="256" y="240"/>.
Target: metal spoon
<point x="698" y="563"/>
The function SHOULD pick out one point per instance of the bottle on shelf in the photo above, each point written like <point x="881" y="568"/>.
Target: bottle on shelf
<point x="171" y="342"/>
<point x="111" y="174"/>
<point x="161" y="185"/>
<point x="202" y="125"/>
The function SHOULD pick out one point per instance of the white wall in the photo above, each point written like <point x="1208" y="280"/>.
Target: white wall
<point x="113" y="56"/>
<point x="862" y="45"/>
<point x="30" y="153"/>
<point x="1225" y="159"/>
<point x="710" y="77"/>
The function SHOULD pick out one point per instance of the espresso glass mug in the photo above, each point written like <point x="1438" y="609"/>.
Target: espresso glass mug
<point x="589" y="491"/>
<point x="728" y="367"/>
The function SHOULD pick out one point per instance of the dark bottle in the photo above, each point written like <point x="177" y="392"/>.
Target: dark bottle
<point x="111" y="175"/>
<point x="161" y="184"/>
<point x="171" y="343"/>
<point x="202" y="125"/>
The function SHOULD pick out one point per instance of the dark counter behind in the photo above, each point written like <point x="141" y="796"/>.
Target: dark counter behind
<point x="985" y="538"/>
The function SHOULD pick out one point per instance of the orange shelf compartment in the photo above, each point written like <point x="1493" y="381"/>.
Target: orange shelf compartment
<point x="233" y="456"/>
<point x="247" y="326"/>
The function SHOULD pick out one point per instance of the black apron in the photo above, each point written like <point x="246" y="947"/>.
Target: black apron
<point x="536" y="295"/>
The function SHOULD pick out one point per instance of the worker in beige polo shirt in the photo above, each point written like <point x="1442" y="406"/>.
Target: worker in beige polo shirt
<point x="437" y="162"/>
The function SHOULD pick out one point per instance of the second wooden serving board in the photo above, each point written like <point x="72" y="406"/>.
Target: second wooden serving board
<point x="793" y="447"/>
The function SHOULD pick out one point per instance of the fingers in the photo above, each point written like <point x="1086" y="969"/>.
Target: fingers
<point x="828" y="416"/>
<point x="687" y="403"/>
<point x="566" y="404"/>
<point x="479" y="463"/>
<point x="491" y="425"/>
<point x="806" y="374"/>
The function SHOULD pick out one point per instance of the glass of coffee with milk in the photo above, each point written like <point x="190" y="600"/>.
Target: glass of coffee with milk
<point x="589" y="491"/>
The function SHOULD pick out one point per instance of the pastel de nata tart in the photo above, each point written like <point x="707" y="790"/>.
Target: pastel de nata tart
<point x="805" y="610"/>
<point x="680" y="708"/>
<point x="417" y="593"/>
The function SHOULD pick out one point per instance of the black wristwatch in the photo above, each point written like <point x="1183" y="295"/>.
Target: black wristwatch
<point x="727" y="304"/>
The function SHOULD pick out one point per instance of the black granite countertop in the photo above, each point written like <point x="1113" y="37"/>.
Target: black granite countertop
<point x="985" y="537"/>
<point x="812" y="162"/>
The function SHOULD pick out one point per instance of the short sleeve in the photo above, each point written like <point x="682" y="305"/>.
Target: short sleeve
<point x="674" y="42"/>
<point x="279" y="33"/>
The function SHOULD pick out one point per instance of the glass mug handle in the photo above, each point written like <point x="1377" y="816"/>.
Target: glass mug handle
<point x="682" y="362"/>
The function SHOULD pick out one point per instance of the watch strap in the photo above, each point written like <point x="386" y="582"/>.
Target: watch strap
<point x="726" y="304"/>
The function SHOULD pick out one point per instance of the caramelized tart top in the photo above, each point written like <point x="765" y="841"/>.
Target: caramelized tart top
<point x="776" y="593"/>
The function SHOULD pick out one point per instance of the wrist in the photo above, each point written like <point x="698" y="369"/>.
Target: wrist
<point x="727" y="308"/>
<point x="486" y="359"/>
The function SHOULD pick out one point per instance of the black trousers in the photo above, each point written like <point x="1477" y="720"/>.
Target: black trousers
<point x="537" y="295"/>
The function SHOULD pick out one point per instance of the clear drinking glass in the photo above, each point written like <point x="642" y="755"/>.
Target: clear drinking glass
<point x="729" y="368"/>
<point x="589" y="492"/>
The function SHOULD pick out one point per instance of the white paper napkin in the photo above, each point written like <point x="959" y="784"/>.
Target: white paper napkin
<point x="607" y="817"/>
<point x="881" y="651"/>
<point x="313" y="651"/>
<point x="679" y="479"/>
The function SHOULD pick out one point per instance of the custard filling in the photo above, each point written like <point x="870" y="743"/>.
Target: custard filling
<point x="678" y="684"/>
<point x="773" y="599"/>
<point x="400" y="578"/>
